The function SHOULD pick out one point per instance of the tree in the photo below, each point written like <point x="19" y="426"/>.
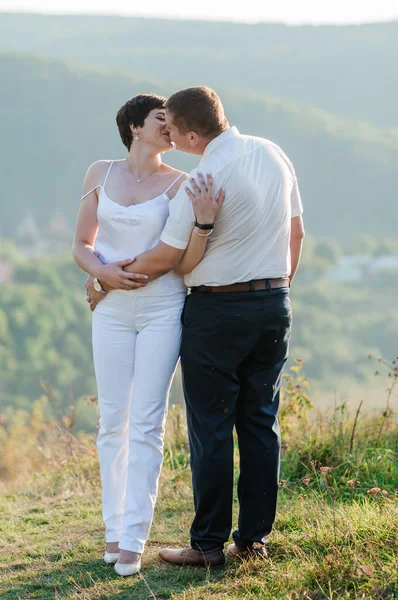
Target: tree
<point x="362" y="245"/>
<point x="329" y="250"/>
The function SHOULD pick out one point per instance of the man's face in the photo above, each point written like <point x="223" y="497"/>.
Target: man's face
<point x="181" y="141"/>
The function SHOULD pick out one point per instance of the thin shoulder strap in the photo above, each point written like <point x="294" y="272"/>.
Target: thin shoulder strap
<point x="94" y="188"/>
<point x="99" y="185"/>
<point x="107" y="173"/>
<point x="174" y="182"/>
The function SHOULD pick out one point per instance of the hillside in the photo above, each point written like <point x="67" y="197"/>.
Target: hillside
<point x="59" y="117"/>
<point x="349" y="70"/>
<point x="45" y="333"/>
<point x="334" y="536"/>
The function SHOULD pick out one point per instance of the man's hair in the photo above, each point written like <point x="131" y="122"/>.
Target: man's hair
<point x="134" y="112"/>
<point x="197" y="109"/>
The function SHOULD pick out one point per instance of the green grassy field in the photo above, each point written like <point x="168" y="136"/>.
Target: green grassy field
<point x="336" y="534"/>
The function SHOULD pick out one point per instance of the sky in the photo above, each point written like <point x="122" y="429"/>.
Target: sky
<point x="287" y="11"/>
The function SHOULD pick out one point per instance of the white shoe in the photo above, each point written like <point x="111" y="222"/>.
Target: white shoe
<point x="128" y="569"/>
<point x="111" y="557"/>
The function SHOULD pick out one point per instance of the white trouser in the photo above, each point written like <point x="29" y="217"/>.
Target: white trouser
<point x="136" y="343"/>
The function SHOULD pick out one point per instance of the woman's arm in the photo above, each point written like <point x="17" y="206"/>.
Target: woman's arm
<point x="194" y="252"/>
<point x="87" y="223"/>
<point x="205" y="207"/>
<point x="86" y="231"/>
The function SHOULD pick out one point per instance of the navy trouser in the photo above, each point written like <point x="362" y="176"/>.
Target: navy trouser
<point x="234" y="347"/>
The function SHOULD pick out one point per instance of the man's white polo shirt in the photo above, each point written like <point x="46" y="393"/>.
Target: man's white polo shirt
<point x="251" y="236"/>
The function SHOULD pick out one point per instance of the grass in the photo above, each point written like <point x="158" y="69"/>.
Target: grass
<point x="53" y="540"/>
<point x="336" y="534"/>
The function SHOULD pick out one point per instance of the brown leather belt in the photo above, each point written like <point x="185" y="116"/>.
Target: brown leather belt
<point x="245" y="286"/>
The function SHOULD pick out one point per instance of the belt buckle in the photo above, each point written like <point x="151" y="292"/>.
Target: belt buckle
<point x="253" y="288"/>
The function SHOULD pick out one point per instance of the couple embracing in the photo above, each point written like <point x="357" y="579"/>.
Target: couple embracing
<point x="230" y="234"/>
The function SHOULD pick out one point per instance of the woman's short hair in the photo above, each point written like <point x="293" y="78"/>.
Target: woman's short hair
<point x="197" y="109"/>
<point x="134" y="112"/>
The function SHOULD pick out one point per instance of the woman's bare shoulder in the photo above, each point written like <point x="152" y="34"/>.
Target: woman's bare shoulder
<point x="98" y="167"/>
<point x="178" y="177"/>
<point x="174" y="178"/>
<point x="171" y="171"/>
<point x="95" y="176"/>
<point x="96" y="173"/>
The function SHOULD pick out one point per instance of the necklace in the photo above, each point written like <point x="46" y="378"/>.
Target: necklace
<point x="143" y="179"/>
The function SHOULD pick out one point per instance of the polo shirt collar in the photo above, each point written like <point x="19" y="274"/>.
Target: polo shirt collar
<point x="220" y="139"/>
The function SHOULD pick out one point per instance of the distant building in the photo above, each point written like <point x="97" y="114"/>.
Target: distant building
<point x="6" y="272"/>
<point x="361" y="268"/>
<point x="59" y="236"/>
<point x="59" y="226"/>
<point x="31" y="241"/>
<point x="28" y="229"/>
<point x="385" y="263"/>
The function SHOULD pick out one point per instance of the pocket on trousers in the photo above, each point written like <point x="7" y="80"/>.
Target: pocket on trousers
<point x="285" y="308"/>
<point x="284" y="337"/>
<point x="183" y="312"/>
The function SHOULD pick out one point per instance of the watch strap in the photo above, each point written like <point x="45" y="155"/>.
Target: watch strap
<point x="204" y="225"/>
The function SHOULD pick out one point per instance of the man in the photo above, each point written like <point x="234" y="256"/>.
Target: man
<point x="236" y="322"/>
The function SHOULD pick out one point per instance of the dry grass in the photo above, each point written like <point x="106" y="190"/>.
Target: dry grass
<point x="335" y="537"/>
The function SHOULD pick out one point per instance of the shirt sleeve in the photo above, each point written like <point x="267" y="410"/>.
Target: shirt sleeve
<point x="178" y="228"/>
<point x="295" y="198"/>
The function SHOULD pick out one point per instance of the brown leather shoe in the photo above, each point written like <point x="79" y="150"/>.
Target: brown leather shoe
<point x="255" y="550"/>
<point x="185" y="557"/>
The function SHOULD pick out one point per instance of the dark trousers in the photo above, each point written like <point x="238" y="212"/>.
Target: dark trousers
<point x="234" y="347"/>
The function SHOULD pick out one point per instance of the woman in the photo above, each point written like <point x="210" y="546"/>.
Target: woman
<point x="136" y="326"/>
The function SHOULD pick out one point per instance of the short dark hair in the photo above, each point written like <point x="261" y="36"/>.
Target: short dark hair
<point x="197" y="109"/>
<point x="134" y="112"/>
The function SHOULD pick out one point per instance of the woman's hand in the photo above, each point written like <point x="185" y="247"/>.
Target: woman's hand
<point x="204" y="204"/>
<point x="113" y="276"/>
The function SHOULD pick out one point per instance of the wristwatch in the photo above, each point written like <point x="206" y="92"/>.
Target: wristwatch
<point x="204" y="225"/>
<point x="98" y="286"/>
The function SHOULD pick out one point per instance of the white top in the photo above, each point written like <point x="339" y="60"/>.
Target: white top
<point x="251" y="236"/>
<point x="127" y="231"/>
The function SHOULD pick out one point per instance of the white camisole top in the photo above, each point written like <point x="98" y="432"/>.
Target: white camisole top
<point x="127" y="231"/>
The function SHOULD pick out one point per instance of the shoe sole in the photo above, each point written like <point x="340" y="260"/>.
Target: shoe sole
<point x="165" y="562"/>
<point x="110" y="562"/>
<point x="128" y="574"/>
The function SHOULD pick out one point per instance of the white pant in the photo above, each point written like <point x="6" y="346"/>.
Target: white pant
<point x="136" y="342"/>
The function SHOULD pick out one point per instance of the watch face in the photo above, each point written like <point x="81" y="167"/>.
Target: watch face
<point x="97" y="286"/>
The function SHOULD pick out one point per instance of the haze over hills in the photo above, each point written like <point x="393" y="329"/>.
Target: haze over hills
<point x="58" y="109"/>
<point x="311" y="90"/>
<point x="58" y="118"/>
<point x="348" y="70"/>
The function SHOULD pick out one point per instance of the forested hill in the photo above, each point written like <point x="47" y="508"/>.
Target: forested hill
<point x="59" y="117"/>
<point x="349" y="70"/>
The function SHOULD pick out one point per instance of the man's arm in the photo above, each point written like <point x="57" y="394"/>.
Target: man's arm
<point x="174" y="239"/>
<point x="297" y="234"/>
<point x="157" y="262"/>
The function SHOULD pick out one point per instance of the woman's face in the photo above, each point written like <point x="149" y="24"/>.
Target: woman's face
<point x="154" y="131"/>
